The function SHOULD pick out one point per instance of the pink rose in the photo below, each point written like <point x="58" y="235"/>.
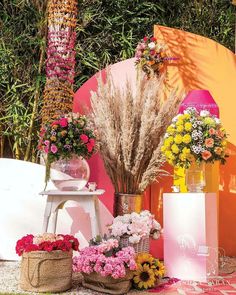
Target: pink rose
<point x="84" y="138"/>
<point x="63" y="122"/>
<point x="209" y="142"/>
<point x="54" y="148"/>
<point x="212" y="131"/>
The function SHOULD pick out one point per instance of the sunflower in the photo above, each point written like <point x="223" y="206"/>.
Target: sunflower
<point x="144" y="277"/>
<point x="145" y="258"/>
<point x="159" y="268"/>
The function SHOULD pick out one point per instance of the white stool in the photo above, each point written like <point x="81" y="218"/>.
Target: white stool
<point x="86" y="199"/>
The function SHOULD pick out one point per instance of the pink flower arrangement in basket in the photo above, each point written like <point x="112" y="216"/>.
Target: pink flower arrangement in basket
<point x="135" y="226"/>
<point x="106" y="259"/>
<point x="46" y="242"/>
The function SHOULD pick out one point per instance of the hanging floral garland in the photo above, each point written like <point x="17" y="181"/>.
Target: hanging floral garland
<point x="60" y="64"/>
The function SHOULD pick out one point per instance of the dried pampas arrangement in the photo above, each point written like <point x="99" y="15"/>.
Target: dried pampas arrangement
<point x="131" y="126"/>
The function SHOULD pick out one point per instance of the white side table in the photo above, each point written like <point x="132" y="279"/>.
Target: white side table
<point x="86" y="199"/>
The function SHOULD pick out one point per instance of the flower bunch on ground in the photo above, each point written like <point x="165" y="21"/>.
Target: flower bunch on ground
<point x="151" y="55"/>
<point x="107" y="259"/>
<point x="46" y="242"/>
<point x="67" y="135"/>
<point x="195" y="136"/>
<point x="149" y="270"/>
<point x="135" y="226"/>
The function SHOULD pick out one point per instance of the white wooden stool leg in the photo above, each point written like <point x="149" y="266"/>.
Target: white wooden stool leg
<point x="97" y="212"/>
<point x="54" y="220"/>
<point x="47" y="213"/>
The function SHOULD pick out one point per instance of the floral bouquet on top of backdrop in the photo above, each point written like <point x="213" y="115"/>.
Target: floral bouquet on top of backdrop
<point x="135" y="226"/>
<point x="65" y="136"/>
<point x="149" y="271"/>
<point x="195" y="136"/>
<point x="46" y="242"/>
<point x="151" y="56"/>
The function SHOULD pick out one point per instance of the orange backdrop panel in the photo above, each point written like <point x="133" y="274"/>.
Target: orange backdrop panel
<point x="205" y="64"/>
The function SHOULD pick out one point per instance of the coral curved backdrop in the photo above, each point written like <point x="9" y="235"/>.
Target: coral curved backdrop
<point x="202" y="64"/>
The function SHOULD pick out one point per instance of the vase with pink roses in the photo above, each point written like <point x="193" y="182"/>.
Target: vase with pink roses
<point x="67" y="141"/>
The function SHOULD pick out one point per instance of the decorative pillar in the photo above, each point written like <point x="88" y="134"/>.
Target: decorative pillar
<point x="58" y="92"/>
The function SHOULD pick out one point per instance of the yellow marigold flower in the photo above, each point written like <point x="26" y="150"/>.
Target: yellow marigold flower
<point x="175" y="149"/>
<point x="182" y="157"/>
<point x="186" y="116"/>
<point x="170" y="130"/>
<point x="187" y="138"/>
<point x="168" y="141"/>
<point x="178" y="139"/>
<point x="163" y="148"/>
<point x="188" y="126"/>
<point x="179" y="122"/>
<point x="169" y="155"/>
<point x="186" y="151"/>
<point x="53" y="138"/>
<point x="180" y="128"/>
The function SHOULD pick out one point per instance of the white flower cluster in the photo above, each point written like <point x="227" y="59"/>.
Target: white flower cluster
<point x="135" y="226"/>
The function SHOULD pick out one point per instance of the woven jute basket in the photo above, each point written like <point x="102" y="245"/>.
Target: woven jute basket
<point x="108" y="285"/>
<point x="142" y="246"/>
<point x="43" y="271"/>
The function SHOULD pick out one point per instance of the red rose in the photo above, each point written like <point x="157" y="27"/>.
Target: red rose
<point x="153" y="39"/>
<point x="152" y="52"/>
<point x="145" y="39"/>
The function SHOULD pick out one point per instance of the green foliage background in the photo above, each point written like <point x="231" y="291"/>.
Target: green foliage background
<point x="107" y="32"/>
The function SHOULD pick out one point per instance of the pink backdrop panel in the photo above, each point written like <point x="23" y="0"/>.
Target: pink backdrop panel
<point x="121" y="72"/>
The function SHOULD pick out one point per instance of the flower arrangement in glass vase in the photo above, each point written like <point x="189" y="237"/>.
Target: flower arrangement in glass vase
<point x="149" y="271"/>
<point x="106" y="264"/>
<point x="194" y="138"/>
<point x="151" y="56"/>
<point x="135" y="229"/>
<point x="67" y="141"/>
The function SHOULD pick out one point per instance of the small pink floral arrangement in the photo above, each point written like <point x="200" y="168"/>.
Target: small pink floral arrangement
<point x="46" y="242"/>
<point x="135" y="226"/>
<point x="106" y="259"/>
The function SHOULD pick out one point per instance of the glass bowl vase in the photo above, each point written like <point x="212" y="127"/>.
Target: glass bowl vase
<point x="70" y="174"/>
